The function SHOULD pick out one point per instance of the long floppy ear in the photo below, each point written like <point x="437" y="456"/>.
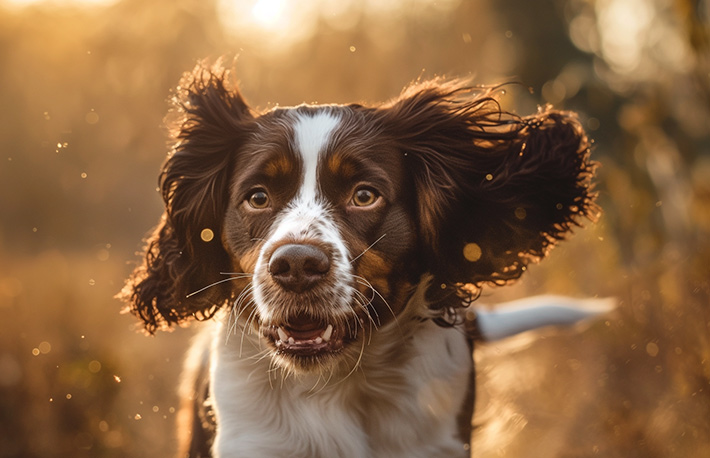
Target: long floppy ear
<point x="185" y="254"/>
<point x="495" y="191"/>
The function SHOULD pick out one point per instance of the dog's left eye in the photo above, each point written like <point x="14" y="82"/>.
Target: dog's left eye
<point x="258" y="199"/>
<point x="364" y="197"/>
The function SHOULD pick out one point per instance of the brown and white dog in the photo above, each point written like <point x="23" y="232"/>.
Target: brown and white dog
<point x="337" y="249"/>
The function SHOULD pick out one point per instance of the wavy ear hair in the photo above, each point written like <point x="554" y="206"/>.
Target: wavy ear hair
<point x="495" y="191"/>
<point x="179" y="259"/>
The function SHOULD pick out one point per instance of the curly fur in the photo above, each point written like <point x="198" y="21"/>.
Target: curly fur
<point x="470" y="173"/>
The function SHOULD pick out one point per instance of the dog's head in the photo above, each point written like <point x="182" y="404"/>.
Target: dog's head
<point x="318" y="222"/>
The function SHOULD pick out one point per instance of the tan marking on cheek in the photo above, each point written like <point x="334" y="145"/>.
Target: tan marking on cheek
<point x="247" y="261"/>
<point x="240" y="284"/>
<point x="242" y="262"/>
<point x="377" y="270"/>
<point x="372" y="265"/>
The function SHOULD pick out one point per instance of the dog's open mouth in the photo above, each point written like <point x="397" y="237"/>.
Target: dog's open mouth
<point x="305" y="336"/>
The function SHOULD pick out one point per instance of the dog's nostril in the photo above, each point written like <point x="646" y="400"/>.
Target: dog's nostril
<point x="279" y="265"/>
<point x="297" y="267"/>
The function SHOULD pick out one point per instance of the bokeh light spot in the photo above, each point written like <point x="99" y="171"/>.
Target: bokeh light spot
<point x="45" y="347"/>
<point x="207" y="235"/>
<point x="652" y="349"/>
<point x="91" y="117"/>
<point x="472" y="252"/>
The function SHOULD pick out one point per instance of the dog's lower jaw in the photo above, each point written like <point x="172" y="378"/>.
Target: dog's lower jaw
<point x="411" y="372"/>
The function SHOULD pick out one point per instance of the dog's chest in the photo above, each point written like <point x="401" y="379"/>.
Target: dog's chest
<point x="401" y="402"/>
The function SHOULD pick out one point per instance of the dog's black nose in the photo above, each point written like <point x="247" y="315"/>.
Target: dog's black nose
<point x="297" y="267"/>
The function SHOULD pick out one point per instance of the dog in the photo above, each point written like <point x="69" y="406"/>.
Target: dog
<point x="335" y="250"/>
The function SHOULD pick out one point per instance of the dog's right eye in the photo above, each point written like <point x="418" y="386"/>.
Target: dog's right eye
<point x="259" y="199"/>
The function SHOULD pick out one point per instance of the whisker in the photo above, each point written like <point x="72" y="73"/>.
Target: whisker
<point x="272" y="368"/>
<point x="372" y="324"/>
<point x="367" y="249"/>
<point x="356" y="365"/>
<point x="265" y="353"/>
<point x="217" y="283"/>
<point x="350" y="330"/>
<point x="312" y="390"/>
<point x="239" y="303"/>
<point x="237" y="309"/>
<point x="363" y="281"/>
<point x="247" y="326"/>
<point x="284" y="376"/>
<point x="363" y="305"/>
<point x="235" y="324"/>
<point x="370" y="321"/>
<point x="330" y="377"/>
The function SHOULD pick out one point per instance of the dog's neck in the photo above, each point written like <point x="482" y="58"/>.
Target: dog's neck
<point x="397" y="379"/>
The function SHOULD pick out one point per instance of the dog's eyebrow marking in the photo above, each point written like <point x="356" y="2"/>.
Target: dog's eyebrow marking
<point x="338" y="165"/>
<point x="311" y="135"/>
<point x="279" y="166"/>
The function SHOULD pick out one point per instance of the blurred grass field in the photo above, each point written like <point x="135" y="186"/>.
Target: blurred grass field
<point x="84" y="87"/>
<point x="78" y="379"/>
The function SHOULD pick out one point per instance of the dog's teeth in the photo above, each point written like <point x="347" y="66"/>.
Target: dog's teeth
<point x="319" y="340"/>
<point x="282" y="335"/>
<point x="291" y="340"/>
<point x="327" y="333"/>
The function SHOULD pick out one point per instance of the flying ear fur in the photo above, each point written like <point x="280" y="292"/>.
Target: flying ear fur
<point x="495" y="190"/>
<point x="210" y="123"/>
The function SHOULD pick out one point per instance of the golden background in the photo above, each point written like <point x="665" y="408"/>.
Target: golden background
<point x="83" y="90"/>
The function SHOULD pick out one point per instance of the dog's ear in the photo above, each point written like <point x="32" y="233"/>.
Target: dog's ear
<point x="495" y="191"/>
<point x="185" y="254"/>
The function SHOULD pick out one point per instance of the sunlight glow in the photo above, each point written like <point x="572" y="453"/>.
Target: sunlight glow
<point x="21" y="4"/>
<point x="276" y="25"/>
<point x="269" y="13"/>
<point x="624" y="26"/>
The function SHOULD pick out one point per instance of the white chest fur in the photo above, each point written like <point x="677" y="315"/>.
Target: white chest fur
<point x="402" y="401"/>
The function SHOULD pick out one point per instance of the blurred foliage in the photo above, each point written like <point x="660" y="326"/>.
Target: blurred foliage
<point x="84" y="86"/>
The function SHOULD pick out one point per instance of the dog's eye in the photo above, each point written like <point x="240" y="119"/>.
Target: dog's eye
<point x="259" y="199"/>
<point x="364" y="197"/>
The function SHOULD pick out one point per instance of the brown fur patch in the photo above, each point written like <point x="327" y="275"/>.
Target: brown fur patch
<point x="377" y="270"/>
<point x="279" y="166"/>
<point x="247" y="261"/>
<point x="339" y="167"/>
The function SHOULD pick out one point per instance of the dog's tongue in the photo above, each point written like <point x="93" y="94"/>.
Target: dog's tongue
<point x="304" y="328"/>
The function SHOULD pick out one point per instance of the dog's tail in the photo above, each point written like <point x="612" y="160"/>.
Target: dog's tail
<point x="515" y="317"/>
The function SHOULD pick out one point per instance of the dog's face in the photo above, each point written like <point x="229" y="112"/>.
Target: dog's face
<point x="327" y="217"/>
<point x="321" y="218"/>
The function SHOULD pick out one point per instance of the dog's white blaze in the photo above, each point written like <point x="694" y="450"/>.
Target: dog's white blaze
<point x="312" y="134"/>
<point x="307" y="216"/>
